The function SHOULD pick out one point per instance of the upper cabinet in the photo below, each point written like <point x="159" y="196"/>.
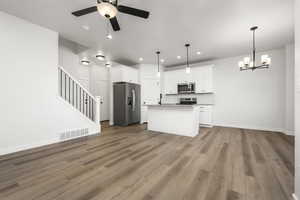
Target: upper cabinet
<point x="123" y="73"/>
<point x="201" y="76"/>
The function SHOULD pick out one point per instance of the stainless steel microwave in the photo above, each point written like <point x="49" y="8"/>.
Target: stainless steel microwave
<point x="185" y="88"/>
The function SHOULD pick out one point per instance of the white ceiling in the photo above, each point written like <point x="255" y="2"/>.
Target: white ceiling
<point x="217" y="28"/>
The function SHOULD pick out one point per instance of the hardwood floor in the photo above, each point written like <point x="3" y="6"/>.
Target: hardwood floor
<point x="133" y="164"/>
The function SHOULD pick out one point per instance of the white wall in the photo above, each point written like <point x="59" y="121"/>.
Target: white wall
<point x="297" y="98"/>
<point x="151" y="84"/>
<point x="99" y="86"/>
<point x="254" y="100"/>
<point x="290" y="89"/>
<point x="97" y="73"/>
<point x="69" y="59"/>
<point x="250" y="99"/>
<point x="32" y="112"/>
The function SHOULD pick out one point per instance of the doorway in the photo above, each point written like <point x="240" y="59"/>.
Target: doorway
<point x="102" y="91"/>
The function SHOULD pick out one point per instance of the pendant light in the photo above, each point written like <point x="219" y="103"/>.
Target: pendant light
<point x="158" y="70"/>
<point x="187" y="69"/>
<point x="108" y="34"/>
<point x="250" y="63"/>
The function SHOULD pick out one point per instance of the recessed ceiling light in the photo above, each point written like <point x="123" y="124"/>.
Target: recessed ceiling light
<point x="178" y="57"/>
<point x="162" y="60"/>
<point x="198" y="53"/>
<point x="108" y="65"/>
<point x="85" y="62"/>
<point x="141" y="59"/>
<point x="100" y="57"/>
<point x="86" y="27"/>
<point x="109" y="36"/>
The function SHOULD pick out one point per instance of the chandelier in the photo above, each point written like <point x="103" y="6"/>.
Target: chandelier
<point x="251" y="63"/>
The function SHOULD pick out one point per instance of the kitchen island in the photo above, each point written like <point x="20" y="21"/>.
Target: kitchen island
<point x="174" y="119"/>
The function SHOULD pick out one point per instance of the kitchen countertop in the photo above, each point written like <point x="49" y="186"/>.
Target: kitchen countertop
<point x="179" y="105"/>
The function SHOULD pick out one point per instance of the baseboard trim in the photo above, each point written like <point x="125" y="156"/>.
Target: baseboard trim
<point x="288" y="132"/>
<point x="250" y="127"/>
<point x="206" y="126"/>
<point x="20" y="148"/>
<point x="295" y="197"/>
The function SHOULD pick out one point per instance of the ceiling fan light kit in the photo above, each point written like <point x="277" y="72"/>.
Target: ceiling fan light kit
<point x="250" y="63"/>
<point x="110" y="9"/>
<point x="107" y="10"/>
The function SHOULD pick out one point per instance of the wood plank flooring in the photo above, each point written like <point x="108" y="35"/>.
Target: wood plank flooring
<point x="130" y="163"/>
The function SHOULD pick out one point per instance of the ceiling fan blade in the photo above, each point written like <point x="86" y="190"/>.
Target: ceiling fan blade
<point x="114" y="23"/>
<point x="85" y="11"/>
<point x="133" y="11"/>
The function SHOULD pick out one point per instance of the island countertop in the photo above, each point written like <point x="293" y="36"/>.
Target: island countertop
<point x="178" y="105"/>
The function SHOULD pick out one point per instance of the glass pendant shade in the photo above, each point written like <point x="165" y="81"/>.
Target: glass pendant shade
<point x="265" y="59"/>
<point x="188" y="70"/>
<point x="247" y="60"/>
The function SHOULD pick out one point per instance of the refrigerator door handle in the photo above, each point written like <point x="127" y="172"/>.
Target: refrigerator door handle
<point x="133" y="100"/>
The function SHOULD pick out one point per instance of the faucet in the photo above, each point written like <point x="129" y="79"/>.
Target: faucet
<point x="160" y="98"/>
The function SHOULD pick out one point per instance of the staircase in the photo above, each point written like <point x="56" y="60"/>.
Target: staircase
<point x="78" y="96"/>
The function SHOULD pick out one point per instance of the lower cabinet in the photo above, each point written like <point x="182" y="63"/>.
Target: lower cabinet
<point x="206" y="116"/>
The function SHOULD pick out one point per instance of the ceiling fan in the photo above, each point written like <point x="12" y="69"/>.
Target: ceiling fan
<point x="109" y="9"/>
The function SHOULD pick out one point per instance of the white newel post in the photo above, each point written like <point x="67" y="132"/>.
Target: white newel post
<point x="98" y="99"/>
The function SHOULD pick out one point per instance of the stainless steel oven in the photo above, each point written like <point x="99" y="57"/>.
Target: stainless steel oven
<point x="185" y="88"/>
<point x="188" y="101"/>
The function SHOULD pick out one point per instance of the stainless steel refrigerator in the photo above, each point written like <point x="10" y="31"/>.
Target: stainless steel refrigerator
<point x="127" y="103"/>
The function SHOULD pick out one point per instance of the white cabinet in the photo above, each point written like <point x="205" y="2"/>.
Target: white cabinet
<point x="123" y="73"/>
<point x="205" y="116"/>
<point x="201" y="76"/>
